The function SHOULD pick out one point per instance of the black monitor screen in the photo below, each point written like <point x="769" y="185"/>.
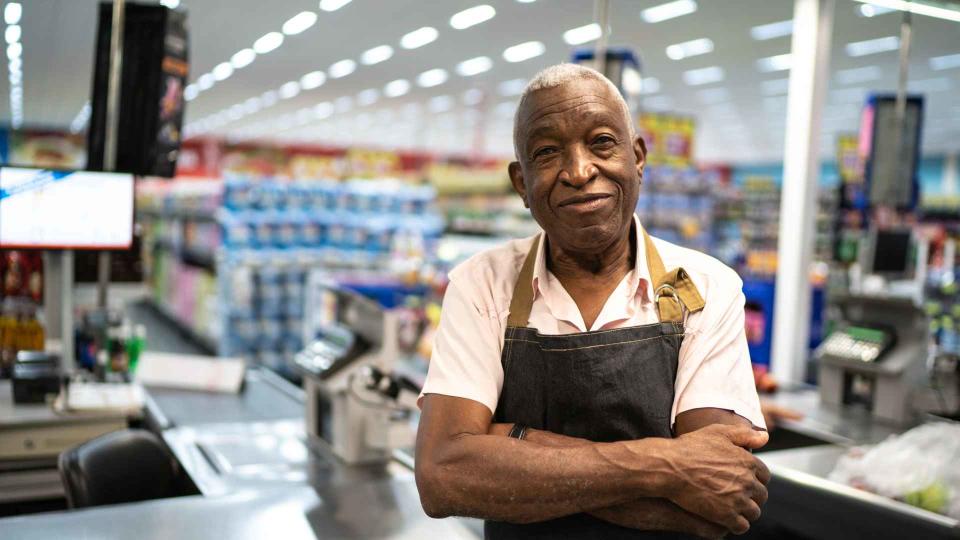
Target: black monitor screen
<point x="891" y="252"/>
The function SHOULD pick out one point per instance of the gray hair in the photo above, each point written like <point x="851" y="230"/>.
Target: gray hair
<point x="558" y="75"/>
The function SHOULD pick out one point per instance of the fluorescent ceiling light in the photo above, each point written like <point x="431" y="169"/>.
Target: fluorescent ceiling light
<point x="268" y="42"/>
<point x="870" y="10"/>
<point x="695" y="47"/>
<point x="269" y="98"/>
<point x="312" y="80"/>
<point x="859" y="75"/>
<point x="343" y="104"/>
<point x="707" y="75"/>
<point x="773" y="30"/>
<point x="172" y="4"/>
<point x="12" y="34"/>
<point x="713" y="95"/>
<point x="243" y="58"/>
<point x="650" y="85"/>
<point x="440" y="104"/>
<point x="289" y="90"/>
<point x="775" y="87"/>
<point x="222" y="71"/>
<point x="473" y="96"/>
<point x="918" y="8"/>
<point x="872" y="46"/>
<point x="432" y="77"/>
<point x="14" y="50"/>
<point x="191" y="92"/>
<point x="376" y="55"/>
<point x="252" y="105"/>
<point x="667" y="11"/>
<point x="333" y="5"/>
<point x="780" y="62"/>
<point x="582" y="34"/>
<point x="513" y="87"/>
<point x="299" y="22"/>
<point x="205" y="82"/>
<point x="419" y="37"/>
<point x="950" y="61"/>
<point x="474" y="66"/>
<point x="12" y="13"/>
<point x="630" y="81"/>
<point x="506" y="108"/>
<point x="939" y="84"/>
<point x="323" y="110"/>
<point x="524" y="51"/>
<point x="396" y="88"/>
<point x="368" y="97"/>
<point x="472" y="16"/>
<point x="526" y="1"/>
<point x="342" y="68"/>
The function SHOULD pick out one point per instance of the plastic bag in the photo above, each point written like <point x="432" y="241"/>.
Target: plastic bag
<point x="920" y="467"/>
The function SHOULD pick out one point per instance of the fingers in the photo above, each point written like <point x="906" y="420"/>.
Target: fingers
<point x="751" y="511"/>
<point x="762" y="472"/>
<point x="745" y="437"/>
<point x="705" y="529"/>
<point x="759" y="494"/>
<point x="740" y="526"/>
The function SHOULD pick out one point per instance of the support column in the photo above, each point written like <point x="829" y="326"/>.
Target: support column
<point x="810" y="55"/>
<point x="58" y="305"/>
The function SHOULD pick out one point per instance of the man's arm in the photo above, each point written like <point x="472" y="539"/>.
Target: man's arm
<point x="655" y="514"/>
<point x="461" y="470"/>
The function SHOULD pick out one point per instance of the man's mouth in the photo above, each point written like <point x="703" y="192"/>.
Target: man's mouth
<point x="584" y="200"/>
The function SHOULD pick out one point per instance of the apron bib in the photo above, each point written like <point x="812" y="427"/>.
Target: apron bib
<point x="604" y="385"/>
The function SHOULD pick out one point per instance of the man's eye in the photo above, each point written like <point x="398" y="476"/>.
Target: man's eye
<point x="604" y="140"/>
<point x="545" y="151"/>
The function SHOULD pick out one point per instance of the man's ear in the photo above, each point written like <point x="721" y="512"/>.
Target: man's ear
<point x="640" y="150"/>
<point x="516" y="178"/>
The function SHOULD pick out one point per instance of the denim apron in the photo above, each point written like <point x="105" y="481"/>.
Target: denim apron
<point x="604" y="386"/>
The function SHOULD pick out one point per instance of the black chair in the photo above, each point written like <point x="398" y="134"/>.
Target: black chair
<point x="123" y="466"/>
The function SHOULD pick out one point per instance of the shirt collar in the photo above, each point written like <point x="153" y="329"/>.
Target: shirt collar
<point x="638" y="280"/>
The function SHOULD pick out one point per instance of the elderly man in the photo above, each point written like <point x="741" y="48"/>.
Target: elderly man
<point x="591" y="381"/>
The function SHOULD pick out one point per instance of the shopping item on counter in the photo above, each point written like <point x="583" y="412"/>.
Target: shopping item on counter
<point x="918" y="467"/>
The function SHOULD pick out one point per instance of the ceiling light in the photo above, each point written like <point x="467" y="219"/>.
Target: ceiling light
<point x="14" y="50"/>
<point x="376" y="55"/>
<point x="289" y="90"/>
<point x="473" y="96"/>
<point x="669" y="10"/>
<point x="859" y="75"/>
<point x="342" y="68"/>
<point x="939" y="63"/>
<point x="172" y="4"/>
<point x="658" y="103"/>
<point x="312" y="80"/>
<point x="432" y="77"/>
<point x="524" y="51"/>
<point x="650" y="85"/>
<point x="268" y="42"/>
<point x="243" y="58"/>
<point x="191" y="92"/>
<point x="205" y="82"/>
<point x="343" y="104"/>
<point x="419" y="37"/>
<point x="582" y="34"/>
<point x="333" y="5"/>
<point x="513" y="87"/>
<point x="773" y="30"/>
<point x="472" y="16"/>
<point x="707" y="75"/>
<point x="12" y="34"/>
<point x="780" y="62"/>
<point x="252" y="105"/>
<point x="526" y="1"/>
<point x="848" y="95"/>
<point x="269" y="98"/>
<point x="299" y="22"/>
<point x="440" y="104"/>
<point x="12" y="13"/>
<point x="474" y="66"/>
<point x="679" y="51"/>
<point x="368" y="97"/>
<point x="774" y="87"/>
<point x="631" y="81"/>
<point x="939" y="84"/>
<point x="918" y="8"/>
<point x="713" y="95"/>
<point x="872" y="46"/>
<point x="222" y="71"/>
<point x="869" y="10"/>
<point x="323" y="110"/>
<point x="396" y="88"/>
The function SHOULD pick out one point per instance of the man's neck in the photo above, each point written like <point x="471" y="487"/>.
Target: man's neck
<point x="591" y="278"/>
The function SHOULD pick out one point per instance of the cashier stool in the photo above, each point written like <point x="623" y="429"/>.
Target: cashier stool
<point x="123" y="466"/>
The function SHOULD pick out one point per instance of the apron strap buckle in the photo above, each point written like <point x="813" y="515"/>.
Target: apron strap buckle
<point x="667" y="312"/>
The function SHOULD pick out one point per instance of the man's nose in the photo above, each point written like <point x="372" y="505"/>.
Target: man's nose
<point x="578" y="168"/>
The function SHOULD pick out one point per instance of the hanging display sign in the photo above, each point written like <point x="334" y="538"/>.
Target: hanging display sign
<point x="669" y="139"/>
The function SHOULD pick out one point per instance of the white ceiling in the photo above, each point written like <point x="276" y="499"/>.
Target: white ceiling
<point x="739" y="124"/>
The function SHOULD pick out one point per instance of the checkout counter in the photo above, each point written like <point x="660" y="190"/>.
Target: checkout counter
<point x="270" y="462"/>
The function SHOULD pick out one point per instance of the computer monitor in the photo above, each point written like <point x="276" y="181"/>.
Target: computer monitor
<point x="48" y="209"/>
<point x="890" y="253"/>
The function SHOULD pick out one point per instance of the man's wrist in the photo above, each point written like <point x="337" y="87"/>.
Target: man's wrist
<point x="648" y="463"/>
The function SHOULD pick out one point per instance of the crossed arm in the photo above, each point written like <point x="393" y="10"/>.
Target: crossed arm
<point x="704" y="482"/>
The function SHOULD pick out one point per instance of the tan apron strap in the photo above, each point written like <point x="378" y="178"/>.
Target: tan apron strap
<point x="522" y="301"/>
<point x="673" y="291"/>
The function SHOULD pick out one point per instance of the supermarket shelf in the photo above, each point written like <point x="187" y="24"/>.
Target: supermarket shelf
<point x="205" y="344"/>
<point x="200" y="216"/>
<point x="197" y="257"/>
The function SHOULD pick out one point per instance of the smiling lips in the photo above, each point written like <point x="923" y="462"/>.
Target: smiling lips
<point x="585" y="202"/>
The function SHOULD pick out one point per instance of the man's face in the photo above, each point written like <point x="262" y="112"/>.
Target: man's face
<point x="579" y="170"/>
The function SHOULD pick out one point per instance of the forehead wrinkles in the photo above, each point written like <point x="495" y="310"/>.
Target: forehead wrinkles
<point x="565" y="105"/>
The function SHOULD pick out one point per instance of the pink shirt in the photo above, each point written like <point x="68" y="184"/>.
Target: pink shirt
<point x="714" y="367"/>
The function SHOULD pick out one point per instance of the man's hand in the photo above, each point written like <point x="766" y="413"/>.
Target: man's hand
<point x="659" y="515"/>
<point x="714" y="476"/>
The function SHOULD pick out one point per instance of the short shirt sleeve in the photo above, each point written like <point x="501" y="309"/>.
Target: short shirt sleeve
<point x="714" y="369"/>
<point x="466" y="352"/>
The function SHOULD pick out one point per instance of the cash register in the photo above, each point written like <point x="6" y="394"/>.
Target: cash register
<point x="355" y="403"/>
<point x="877" y="353"/>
